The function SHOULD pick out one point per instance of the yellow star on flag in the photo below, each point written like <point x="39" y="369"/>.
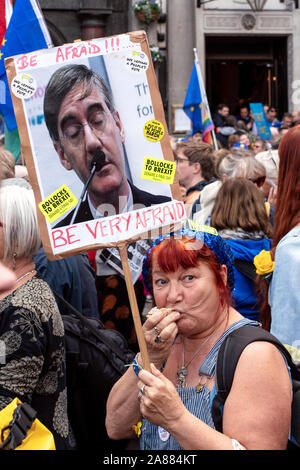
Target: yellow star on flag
<point x="192" y="108"/>
<point x="1" y="54"/>
<point x="4" y="41"/>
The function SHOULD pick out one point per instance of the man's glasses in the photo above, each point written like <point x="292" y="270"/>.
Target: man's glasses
<point x="74" y="132"/>
<point x="178" y="159"/>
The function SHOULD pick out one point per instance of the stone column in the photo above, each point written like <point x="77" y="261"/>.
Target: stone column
<point x="93" y="18"/>
<point x="92" y="25"/>
<point x="294" y="64"/>
<point x="181" y="41"/>
<point x="200" y="40"/>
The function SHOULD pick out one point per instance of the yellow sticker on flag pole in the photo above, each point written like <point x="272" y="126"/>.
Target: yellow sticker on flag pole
<point x="58" y="203"/>
<point x="157" y="169"/>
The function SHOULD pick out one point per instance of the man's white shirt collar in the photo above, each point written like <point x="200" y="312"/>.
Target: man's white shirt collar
<point x="97" y="215"/>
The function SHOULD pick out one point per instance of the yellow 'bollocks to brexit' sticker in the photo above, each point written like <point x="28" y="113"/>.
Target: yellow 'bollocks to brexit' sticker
<point x="157" y="169"/>
<point x="58" y="203"/>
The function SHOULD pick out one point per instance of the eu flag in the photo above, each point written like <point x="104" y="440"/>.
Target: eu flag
<point x="193" y="100"/>
<point x="26" y="32"/>
<point x="196" y="107"/>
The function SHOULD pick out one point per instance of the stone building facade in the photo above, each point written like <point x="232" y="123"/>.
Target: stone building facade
<point x="68" y="20"/>
<point x="244" y="55"/>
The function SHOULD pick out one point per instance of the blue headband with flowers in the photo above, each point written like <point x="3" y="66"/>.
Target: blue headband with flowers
<point x="216" y="243"/>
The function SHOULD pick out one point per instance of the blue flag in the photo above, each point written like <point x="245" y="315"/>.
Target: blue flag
<point x="26" y="32"/>
<point x="196" y="109"/>
<point x="193" y="100"/>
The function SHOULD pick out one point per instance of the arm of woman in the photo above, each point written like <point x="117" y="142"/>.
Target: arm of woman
<point x="123" y="409"/>
<point x="258" y="410"/>
<point x="23" y="341"/>
<point x="284" y="295"/>
<point x="256" y="413"/>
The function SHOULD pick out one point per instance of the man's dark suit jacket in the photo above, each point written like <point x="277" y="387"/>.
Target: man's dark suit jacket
<point x="138" y="196"/>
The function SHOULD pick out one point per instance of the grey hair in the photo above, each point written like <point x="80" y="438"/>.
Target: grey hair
<point x="19" y="219"/>
<point x="240" y="164"/>
<point x="61" y="83"/>
<point x="270" y="160"/>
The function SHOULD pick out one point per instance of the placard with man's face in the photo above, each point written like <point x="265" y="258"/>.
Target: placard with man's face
<point x="95" y="141"/>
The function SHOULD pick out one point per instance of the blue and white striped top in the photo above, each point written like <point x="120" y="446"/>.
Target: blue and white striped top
<point x="199" y="404"/>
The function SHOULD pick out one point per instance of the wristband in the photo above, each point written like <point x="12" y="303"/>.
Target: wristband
<point x="135" y="365"/>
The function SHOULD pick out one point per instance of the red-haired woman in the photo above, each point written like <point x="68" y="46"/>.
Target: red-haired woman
<point x="284" y="294"/>
<point x="191" y="278"/>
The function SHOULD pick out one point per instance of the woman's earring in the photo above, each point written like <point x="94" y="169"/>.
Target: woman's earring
<point x="14" y="260"/>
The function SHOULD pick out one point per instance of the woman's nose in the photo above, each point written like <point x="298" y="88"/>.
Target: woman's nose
<point x="174" y="292"/>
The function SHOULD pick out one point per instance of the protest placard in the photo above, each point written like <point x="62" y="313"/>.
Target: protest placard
<point x="93" y="107"/>
<point x="258" y="114"/>
<point x="89" y="116"/>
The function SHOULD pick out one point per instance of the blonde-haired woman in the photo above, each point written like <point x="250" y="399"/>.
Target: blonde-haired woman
<point x="31" y="328"/>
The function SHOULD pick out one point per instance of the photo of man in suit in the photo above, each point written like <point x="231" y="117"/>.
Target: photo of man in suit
<point x="88" y="136"/>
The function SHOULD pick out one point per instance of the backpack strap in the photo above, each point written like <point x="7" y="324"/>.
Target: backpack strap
<point x="246" y="267"/>
<point x="232" y="348"/>
<point x="23" y="418"/>
<point x="96" y="332"/>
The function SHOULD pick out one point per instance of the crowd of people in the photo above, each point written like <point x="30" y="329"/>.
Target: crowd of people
<point x="248" y="191"/>
<point x="235" y="263"/>
<point x="240" y="199"/>
<point x="241" y="130"/>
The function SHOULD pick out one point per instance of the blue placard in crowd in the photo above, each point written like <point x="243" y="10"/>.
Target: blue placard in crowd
<point x="260" y="119"/>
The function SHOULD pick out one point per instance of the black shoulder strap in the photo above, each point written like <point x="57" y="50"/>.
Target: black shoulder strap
<point x="23" y="418"/>
<point x="228" y="356"/>
<point x="96" y="332"/>
<point x="246" y="267"/>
